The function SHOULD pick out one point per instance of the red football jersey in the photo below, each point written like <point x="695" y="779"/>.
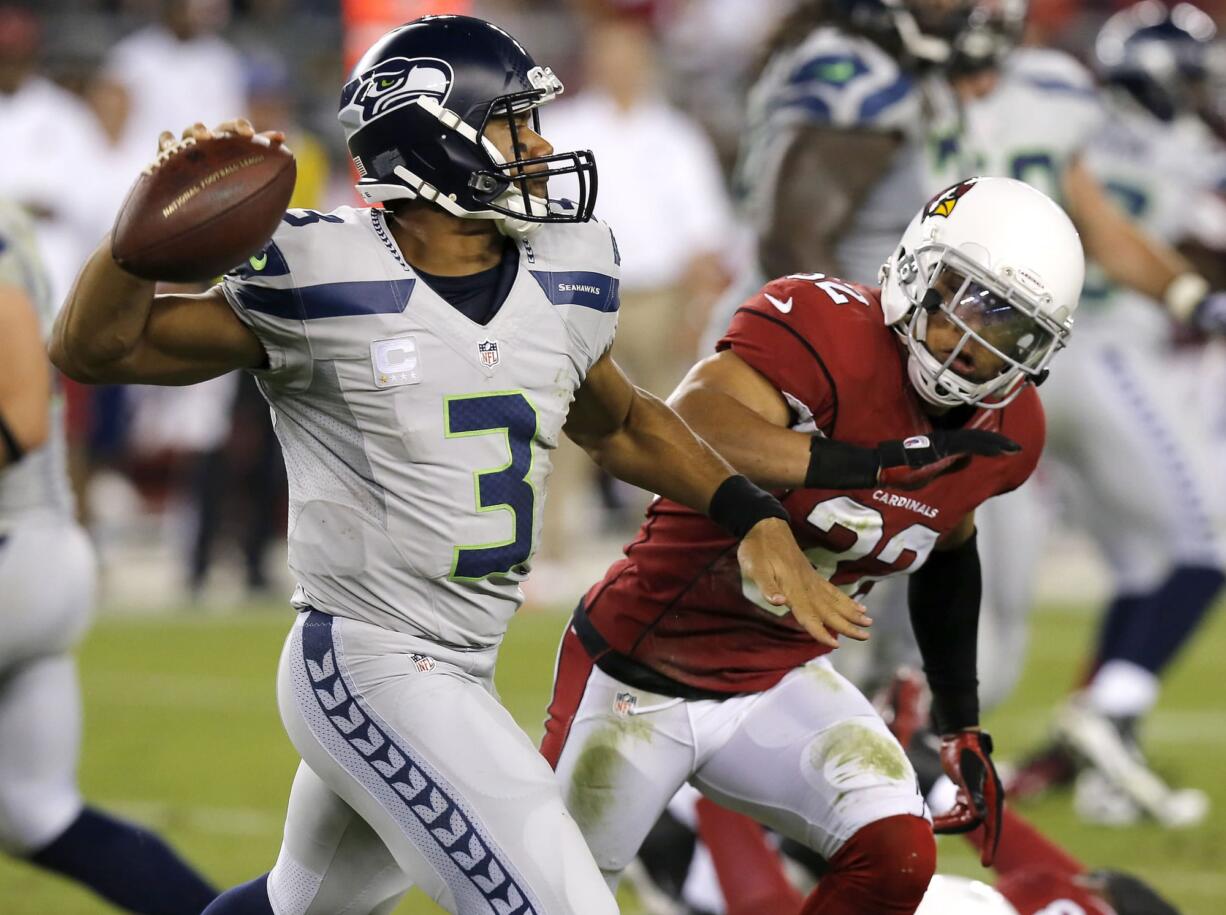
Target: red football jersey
<point x="675" y="604"/>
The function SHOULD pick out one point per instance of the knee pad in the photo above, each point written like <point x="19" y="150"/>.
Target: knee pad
<point x="896" y="856"/>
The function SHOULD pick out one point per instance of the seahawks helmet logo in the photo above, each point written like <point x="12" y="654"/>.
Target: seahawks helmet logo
<point x="943" y="203"/>
<point x="392" y="84"/>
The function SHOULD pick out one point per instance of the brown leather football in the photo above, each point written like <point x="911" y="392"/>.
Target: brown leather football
<point x="203" y="207"/>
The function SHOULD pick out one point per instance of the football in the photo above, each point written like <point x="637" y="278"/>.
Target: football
<point x="203" y="207"/>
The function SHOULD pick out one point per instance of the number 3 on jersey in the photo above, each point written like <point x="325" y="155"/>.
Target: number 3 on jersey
<point x="505" y="488"/>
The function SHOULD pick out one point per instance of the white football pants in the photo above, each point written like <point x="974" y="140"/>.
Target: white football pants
<point x="414" y="774"/>
<point x="46" y="598"/>
<point x="809" y="758"/>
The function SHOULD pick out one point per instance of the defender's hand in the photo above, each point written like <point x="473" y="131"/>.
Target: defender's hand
<point x="900" y="463"/>
<point x="966" y="757"/>
<point x="920" y="459"/>
<point x="771" y="559"/>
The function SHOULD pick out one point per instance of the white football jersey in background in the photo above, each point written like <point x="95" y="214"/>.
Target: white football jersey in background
<point x="38" y="483"/>
<point x="1167" y="176"/>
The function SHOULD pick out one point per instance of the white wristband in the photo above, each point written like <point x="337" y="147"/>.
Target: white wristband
<point x="1184" y="293"/>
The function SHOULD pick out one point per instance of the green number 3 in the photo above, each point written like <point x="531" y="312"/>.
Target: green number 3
<point x="505" y="488"/>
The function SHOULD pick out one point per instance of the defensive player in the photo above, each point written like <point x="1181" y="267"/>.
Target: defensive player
<point x="743" y="873"/>
<point x="888" y="416"/>
<point x="46" y="597"/>
<point x="1113" y="416"/>
<point x="421" y="361"/>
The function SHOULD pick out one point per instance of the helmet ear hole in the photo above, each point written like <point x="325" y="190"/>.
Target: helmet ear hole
<point x="932" y="301"/>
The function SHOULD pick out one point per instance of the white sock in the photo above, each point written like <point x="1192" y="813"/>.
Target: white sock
<point x="1122" y="689"/>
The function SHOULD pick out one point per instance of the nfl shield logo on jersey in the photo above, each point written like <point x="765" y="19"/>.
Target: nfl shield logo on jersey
<point x="488" y="349"/>
<point x="624" y="704"/>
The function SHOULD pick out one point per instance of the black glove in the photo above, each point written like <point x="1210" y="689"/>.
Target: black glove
<point x="901" y="464"/>
<point x="966" y="757"/>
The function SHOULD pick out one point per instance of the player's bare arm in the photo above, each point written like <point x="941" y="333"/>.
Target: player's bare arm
<point x="25" y="378"/>
<point x="1130" y="255"/>
<point x="114" y="328"/>
<point x="637" y="438"/>
<point x="824" y="176"/>
<point x="744" y="417"/>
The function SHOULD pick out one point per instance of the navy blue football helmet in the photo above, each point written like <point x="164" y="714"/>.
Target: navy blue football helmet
<point x="1163" y="57"/>
<point x="416" y="109"/>
<point x="919" y="32"/>
<point x="993" y="29"/>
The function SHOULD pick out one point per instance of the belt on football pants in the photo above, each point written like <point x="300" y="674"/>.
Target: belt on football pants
<point x="631" y="672"/>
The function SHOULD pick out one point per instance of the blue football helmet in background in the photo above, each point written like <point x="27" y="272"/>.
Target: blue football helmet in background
<point x="1166" y="58"/>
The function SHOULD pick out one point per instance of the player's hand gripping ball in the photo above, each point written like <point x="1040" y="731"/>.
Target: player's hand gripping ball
<point x="208" y="202"/>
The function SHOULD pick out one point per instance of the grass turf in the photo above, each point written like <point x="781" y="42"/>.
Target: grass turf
<point x="182" y="734"/>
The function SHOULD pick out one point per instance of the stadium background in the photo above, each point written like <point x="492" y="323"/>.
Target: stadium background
<point x="183" y="493"/>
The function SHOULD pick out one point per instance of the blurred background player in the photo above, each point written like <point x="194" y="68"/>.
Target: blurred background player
<point x="832" y="163"/>
<point x="1036" y="114"/>
<point x="46" y="598"/>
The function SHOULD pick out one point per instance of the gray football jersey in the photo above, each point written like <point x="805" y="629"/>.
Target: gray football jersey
<point x="1167" y="177"/>
<point x="417" y="442"/>
<point x="1043" y="112"/>
<point x="38" y="483"/>
<point x="840" y="82"/>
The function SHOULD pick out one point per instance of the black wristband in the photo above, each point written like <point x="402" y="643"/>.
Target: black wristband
<point x="838" y="465"/>
<point x="954" y="710"/>
<point x="10" y="443"/>
<point x="738" y="505"/>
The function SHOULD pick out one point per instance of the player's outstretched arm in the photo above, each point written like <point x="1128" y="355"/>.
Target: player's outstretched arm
<point x="944" y="596"/>
<point x="741" y="414"/>
<point x="637" y="438"/>
<point x="1127" y="253"/>
<point x="114" y="329"/>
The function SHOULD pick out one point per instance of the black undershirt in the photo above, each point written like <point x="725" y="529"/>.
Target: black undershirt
<point x="478" y="296"/>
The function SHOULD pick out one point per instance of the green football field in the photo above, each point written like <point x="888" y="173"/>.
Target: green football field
<point x="182" y="734"/>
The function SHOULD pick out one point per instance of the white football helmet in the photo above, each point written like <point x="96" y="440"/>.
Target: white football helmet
<point x="960" y="896"/>
<point x="998" y="261"/>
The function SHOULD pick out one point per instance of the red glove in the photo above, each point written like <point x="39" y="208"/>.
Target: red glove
<point x="966" y="757"/>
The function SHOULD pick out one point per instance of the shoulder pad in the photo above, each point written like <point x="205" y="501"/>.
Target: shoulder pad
<point x="311" y="248"/>
<point x="584" y="246"/>
<point x="841" y="80"/>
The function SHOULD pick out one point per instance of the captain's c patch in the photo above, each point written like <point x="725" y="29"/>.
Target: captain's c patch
<point x="395" y="362"/>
